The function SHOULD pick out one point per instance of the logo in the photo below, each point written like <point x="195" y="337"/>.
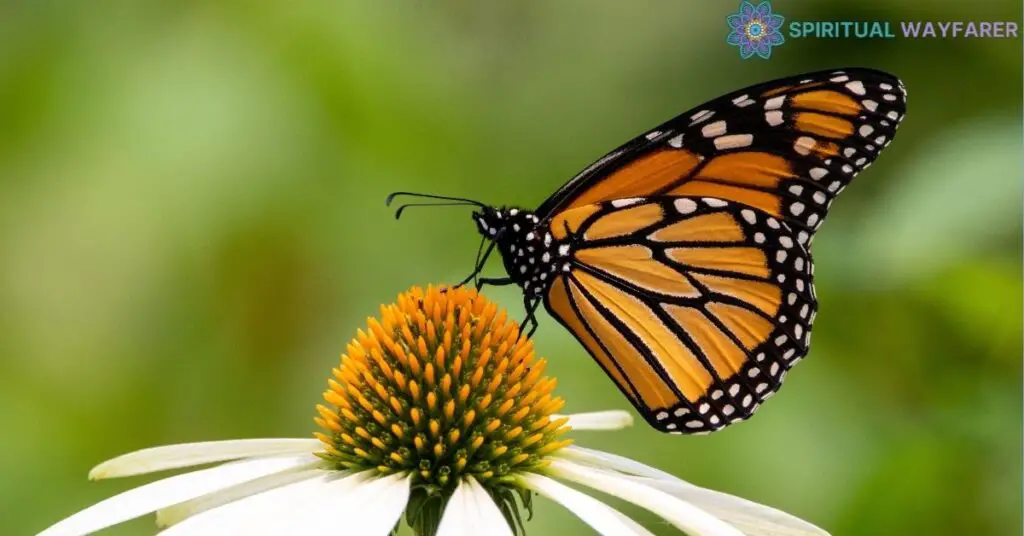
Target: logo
<point x="755" y="29"/>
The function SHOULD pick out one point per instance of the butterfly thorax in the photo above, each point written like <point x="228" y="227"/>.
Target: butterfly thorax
<point x="532" y="256"/>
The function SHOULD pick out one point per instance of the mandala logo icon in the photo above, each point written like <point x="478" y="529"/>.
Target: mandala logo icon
<point x="755" y="29"/>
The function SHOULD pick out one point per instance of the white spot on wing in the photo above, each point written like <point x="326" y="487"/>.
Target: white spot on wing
<point x="733" y="142"/>
<point x="701" y="116"/>
<point x="804" y="144"/>
<point x="713" y="202"/>
<point x="774" y="103"/>
<point x="743" y="101"/>
<point x="685" y="206"/>
<point x="715" y="129"/>
<point x="619" y="203"/>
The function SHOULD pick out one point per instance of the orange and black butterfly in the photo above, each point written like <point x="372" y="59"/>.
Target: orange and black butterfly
<point x="681" y="260"/>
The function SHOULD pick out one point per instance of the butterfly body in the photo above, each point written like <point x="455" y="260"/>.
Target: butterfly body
<point x="529" y="251"/>
<point x="681" y="260"/>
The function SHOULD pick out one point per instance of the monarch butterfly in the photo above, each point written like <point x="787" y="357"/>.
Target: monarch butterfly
<point x="681" y="260"/>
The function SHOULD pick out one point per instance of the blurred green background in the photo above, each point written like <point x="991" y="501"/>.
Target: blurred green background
<point x="192" y="227"/>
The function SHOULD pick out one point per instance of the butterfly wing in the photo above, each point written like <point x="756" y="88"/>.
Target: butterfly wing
<point x="785" y="147"/>
<point x="696" y="307"/>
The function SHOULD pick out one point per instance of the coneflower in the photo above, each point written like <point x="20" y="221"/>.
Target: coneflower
<point x="438" y="412"/>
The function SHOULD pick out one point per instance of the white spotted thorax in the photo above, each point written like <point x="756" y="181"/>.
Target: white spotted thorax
<point x="532" y="256"/>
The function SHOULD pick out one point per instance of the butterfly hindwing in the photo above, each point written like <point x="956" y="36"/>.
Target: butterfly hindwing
<point x="681" y="260"/>
<point x="695" y="306"/>
<point x="785" y="147"/>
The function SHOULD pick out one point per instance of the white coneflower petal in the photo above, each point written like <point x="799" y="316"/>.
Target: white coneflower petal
<point x="598" y="420"/>
<point x="639" y="529"/>
<point x="602" y="518"/>
<point x="191" y="454"/>
<point x="369" y="507"/>
<point x="752" y="518"/>
<point x="179" y="512"/>
<point x="612" y="461"/>
<point x="679" y="513"/>
<point x="255" y="512"/>
<point x="439" y="410"/>
<point x="471" y="511"/>
<point x="169" y="491"/>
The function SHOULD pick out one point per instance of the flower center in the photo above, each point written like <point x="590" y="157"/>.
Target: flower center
<point x="755" y="29"/>
<point x="440" y="387"/>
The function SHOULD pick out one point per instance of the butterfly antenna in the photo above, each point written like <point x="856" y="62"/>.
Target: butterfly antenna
<point x="446" y="201"/>
<point x="391" y="197"/>
<point x="401" y="208"/>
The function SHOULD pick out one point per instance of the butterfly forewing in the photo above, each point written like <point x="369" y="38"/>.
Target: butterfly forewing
<point x="695" y="306"/>
<point x="681" y="261"/>
<point x="785" y="147"/>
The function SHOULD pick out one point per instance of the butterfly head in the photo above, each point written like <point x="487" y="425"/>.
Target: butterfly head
<point x="504" y="224"/>
<point x="490" y="221"/>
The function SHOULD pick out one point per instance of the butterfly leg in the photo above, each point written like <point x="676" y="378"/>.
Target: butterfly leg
<point x="478" y="266"/>
<point x="494" y="281"/>
<point x="531" y="305"/>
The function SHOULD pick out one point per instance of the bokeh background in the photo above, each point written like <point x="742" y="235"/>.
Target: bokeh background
<point x="192" y="226"/>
